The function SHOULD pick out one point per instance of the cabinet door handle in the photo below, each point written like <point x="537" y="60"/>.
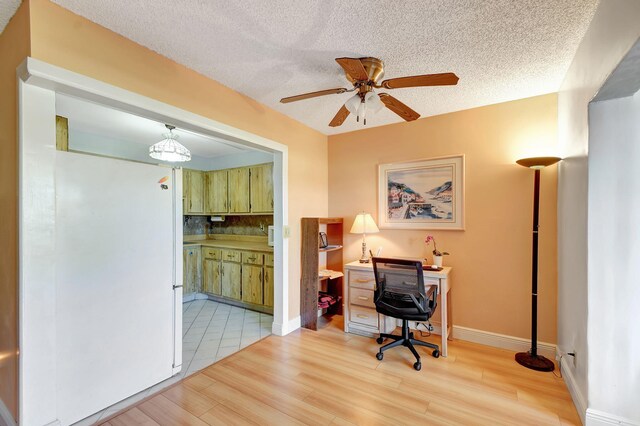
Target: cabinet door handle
<point x="362" y="280"/>
<point x="363" y="316"/>
<point x="363" y="298"/>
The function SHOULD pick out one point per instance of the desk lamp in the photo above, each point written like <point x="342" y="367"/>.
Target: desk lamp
<point x="364" y="224"/>
<point x="531" y="359"/>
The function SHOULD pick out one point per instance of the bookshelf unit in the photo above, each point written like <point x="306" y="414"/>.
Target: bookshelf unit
<point x="310" y="281"/>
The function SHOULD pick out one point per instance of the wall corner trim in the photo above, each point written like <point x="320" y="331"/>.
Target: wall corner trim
<point x="600" y="418"/>
<point x="578" y="398"/>
<point x="286" y="328"/>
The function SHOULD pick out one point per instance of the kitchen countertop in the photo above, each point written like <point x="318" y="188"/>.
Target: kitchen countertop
<point x="231" y="244"/>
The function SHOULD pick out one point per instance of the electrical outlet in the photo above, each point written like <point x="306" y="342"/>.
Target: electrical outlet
<point x="286" y="232"/>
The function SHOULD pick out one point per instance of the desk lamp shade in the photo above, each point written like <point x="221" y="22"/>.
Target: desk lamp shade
<point x="364" y="224"/>
<point x="531" y="359"/>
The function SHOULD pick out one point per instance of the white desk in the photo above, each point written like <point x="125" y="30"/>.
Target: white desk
<point x="360" y="316"/>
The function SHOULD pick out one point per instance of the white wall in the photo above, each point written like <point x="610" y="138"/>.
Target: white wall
<point x="611" y="34"/>
<point x="614" y="251"/>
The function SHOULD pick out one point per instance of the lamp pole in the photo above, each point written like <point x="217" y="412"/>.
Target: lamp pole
<point x="531" y="359"/>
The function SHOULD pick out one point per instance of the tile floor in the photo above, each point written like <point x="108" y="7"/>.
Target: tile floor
<point x="210" y="331"/>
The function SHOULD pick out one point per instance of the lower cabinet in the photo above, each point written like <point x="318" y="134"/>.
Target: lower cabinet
<point x="191" y="270"/>
<point x="239" y="277"/>
<point x="212" y="271"/>
<point x="252" y="284"/>
<point x="231" y="277"/>
<point x="268" y="280"/>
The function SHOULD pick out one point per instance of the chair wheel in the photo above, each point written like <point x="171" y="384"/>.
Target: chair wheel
<point x="379" y="340"/>
<point x="379" y="356"/>
<point x="436" y="353"/>
<point x="417" y="366"/>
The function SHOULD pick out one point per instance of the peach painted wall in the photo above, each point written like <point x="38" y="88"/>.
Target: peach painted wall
<point x="14" y="47"/>
<point x="62" y="38"/>
<point x="491" y="258"/>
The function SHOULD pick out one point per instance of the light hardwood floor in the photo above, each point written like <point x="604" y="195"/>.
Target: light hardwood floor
<point x="329" y="377"/>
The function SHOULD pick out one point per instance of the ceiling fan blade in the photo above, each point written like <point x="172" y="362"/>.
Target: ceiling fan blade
<point x="313" y="95"/>
<point x="444" y="79"/>
<point x="398" y="107"/>
<point x="339" y="118"/>
<point x="354" y="68"/>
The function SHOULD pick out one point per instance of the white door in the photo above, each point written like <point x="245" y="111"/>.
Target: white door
<point x="117" y="323"/>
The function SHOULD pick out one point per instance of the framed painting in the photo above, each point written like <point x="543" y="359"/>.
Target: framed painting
<point x="422" y="194"/>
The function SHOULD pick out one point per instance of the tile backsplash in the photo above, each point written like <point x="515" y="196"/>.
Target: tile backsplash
<point x="232" y="225"/>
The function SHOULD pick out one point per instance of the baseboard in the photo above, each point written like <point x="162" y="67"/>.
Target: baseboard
<point x="576" y="394"/>
<point x="600" y="418"/>
<point x="189" y="298"/>
<point x="502" y="341"/>
<point x="286" y="328"/>
<point x="5" y="415"/>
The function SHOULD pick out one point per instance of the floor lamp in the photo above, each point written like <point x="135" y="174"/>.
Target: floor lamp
<point x="531" y="359"/>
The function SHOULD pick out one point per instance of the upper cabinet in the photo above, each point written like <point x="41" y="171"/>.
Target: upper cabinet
<point x="237" y="191"/>
<point x="262" y="188"/>
<point x="217" y="201"/>
<point x="193" y="191"/>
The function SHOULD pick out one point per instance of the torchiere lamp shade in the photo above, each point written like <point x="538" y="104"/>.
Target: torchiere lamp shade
<point x="538" y="162"/>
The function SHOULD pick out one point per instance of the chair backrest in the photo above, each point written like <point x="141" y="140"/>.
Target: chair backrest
<point x="399" y="280"/>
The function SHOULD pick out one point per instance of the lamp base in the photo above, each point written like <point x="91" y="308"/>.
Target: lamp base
<point x="537" y="362"/>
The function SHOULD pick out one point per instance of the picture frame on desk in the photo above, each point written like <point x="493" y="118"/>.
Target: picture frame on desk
<point x="422" y="194"/>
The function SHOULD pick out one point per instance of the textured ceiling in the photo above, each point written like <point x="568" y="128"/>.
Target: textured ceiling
<point x="501" y="49"/>
<point x="7" y="10"/>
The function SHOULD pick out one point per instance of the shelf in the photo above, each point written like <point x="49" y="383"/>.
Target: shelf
<point x="330" y="220"/>
<point x="312" y="277"/>
<point x="330" y="248"/>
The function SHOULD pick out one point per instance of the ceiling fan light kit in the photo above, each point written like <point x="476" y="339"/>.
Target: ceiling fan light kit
<point x="364" y="74"/>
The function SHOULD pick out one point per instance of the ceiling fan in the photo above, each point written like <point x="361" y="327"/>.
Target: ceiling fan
<point x="364" y="74"/>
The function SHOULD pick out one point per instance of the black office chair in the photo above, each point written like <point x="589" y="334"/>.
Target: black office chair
<point x="400" y="294"/>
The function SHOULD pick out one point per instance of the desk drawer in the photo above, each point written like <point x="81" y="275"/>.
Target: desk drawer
<point x="364" y="280"/>
<point x="361" y="297"/>
<point x="364" y="316"/>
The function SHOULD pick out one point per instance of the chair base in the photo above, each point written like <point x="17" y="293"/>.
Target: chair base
<point x="407" y="340"/>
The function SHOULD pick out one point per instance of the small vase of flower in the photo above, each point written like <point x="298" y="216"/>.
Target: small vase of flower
<point x="437" y="254"/>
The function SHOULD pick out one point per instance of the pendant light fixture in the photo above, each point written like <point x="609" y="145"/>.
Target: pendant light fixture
<point x="169" y="149"/>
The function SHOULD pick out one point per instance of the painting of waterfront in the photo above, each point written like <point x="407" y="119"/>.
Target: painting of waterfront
<point x="421" y="194"/>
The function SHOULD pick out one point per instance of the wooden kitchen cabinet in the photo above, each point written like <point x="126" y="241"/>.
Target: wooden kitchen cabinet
<point x="192" y="276"/>
<point x="268" y="280"/>
<point x="261" y="184"/>
<point x="211" y="270"/>
<point x="193" y="191"/>
<point x="239" y="190"/>
<point x="252" y="284"/>
<point x="216" y="194"/>
<point x="231" y="274"/>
